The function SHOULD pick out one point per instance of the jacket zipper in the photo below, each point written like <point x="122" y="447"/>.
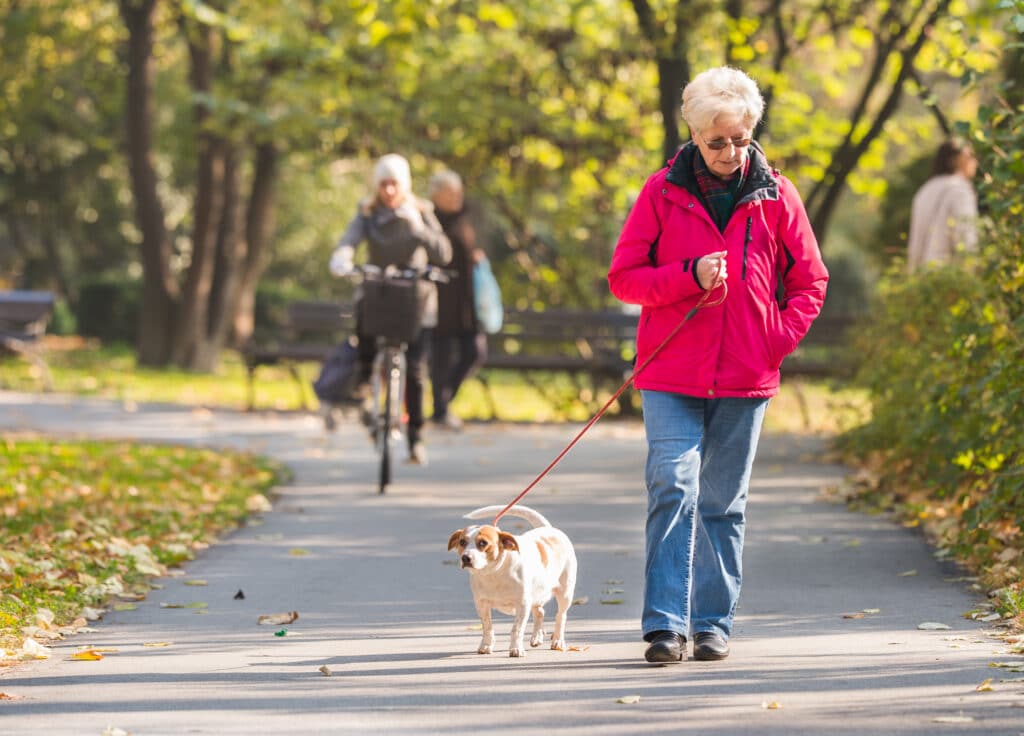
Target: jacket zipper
<point x="746" y="243"/>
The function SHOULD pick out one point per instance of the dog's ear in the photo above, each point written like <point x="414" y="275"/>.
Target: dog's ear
<point x="508" y="541"/>
<point x="453" y="540"/>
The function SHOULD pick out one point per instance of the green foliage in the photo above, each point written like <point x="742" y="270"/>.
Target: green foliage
<point x="944" y="364"/>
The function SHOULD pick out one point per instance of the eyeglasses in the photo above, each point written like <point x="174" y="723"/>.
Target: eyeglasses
<point x="719" y="144"/>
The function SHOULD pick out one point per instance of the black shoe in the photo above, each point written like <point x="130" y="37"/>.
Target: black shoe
<point x="666" y="647"/>
<point x="709" y="646"/>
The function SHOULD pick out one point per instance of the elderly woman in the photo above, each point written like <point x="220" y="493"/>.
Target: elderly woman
<point x="717" y="219"/>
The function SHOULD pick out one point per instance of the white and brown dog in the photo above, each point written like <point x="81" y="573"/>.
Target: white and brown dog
<point x="517" y="575"/>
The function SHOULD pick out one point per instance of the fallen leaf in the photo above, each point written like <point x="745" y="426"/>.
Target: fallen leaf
<point x="612" y="601"/>
<point x="8" y="696"/>
<point x="239" y="596"/>
<point x="953" y="719"/>
<point x="629" y="699"/>
<point x="852" y="543"/>
<point x="579" y="647"/>
<point x="908" y="573"/>
<point x="475" y="627"/>
<point x="771" y="705"/>
<point x="157" y="643"/>
<point x="197" y="604"/>
<point x="89" y="655"/>
<point x="871" y="610"/>
<point x="325" y="670"/>
<point x="853" y="615"/>
<point x="932" y="626"/>
<point x="298" y="552"/>
<point x="125" y="607"/>
<point x="1008" y="666"/>
<point x="985" y="687"/>
<point x="196" y="582"/>
<point x="581" y="601"/>
<point x="172" y="605"/>
<point x="276" y="619"/>
<point x="257" y="503"/>
<point x="613" y="591"/>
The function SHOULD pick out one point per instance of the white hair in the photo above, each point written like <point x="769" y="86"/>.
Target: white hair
<point x="444" y="180"/>
<point x="722" y="92"/>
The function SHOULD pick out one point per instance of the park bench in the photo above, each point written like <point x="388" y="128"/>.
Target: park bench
<point x="595" y="348"/>
<point x="311" y="329"/>
<point x="23" y="319"/>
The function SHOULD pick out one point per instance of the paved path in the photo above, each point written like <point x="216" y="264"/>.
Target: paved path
<point x="381" y="605"/>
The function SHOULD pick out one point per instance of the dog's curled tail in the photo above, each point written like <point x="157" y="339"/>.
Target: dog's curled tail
<point x="523" y="512"/>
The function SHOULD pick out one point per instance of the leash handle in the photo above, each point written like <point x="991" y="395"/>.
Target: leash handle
<point x="703" y="302"/>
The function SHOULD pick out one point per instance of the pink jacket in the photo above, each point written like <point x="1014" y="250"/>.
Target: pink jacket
<point x="734" y="349"/>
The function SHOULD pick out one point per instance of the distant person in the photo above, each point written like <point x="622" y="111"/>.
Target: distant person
<point x="718" y="215"/>
<point x="944" y="214"/>
<point x="400" y="230"/>
<point x="460" y="345"/>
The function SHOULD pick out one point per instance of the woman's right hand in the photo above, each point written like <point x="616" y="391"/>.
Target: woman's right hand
<point x="711" y="270"/>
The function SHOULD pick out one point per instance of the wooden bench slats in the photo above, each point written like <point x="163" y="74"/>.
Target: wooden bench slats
<point x="600" y="344"/>
<point x="23" y="319"/>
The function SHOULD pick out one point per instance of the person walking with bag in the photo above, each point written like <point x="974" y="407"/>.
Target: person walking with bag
<point x="717" y="218"/>
<point x="459" y="343"/>
<point x="400" y="230"/>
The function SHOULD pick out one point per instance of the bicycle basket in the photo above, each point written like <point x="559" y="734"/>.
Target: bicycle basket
<point x="390" y="309"/>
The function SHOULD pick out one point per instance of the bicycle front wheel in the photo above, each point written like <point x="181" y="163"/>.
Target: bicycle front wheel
<point x="384" y="439"/>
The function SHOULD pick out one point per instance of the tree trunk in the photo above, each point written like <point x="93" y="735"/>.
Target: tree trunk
<point x="259" y="226"/>
<point x="192" y="335"/>
<point x="673" y="74"/>
<point x="159" y="289"/>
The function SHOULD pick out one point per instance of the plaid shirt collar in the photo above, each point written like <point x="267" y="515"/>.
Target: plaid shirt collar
<point x="719" y="195"/>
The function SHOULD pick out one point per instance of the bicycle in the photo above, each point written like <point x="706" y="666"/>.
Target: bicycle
<point x="389" y="312"/>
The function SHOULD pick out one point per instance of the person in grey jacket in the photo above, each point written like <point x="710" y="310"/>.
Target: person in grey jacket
<point x="400" y="229"/>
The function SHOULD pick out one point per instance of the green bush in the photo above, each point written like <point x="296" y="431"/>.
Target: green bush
<point x="943" y="361"/>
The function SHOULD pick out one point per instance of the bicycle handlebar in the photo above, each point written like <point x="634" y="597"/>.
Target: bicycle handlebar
<point x="367" y="271"/>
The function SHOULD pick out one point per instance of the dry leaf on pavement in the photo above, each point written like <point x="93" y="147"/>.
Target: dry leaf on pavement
<point x="276" y="619"/>
<point x="628" y="699"/>
<point x="89" y="655"/>
<point x="932" y="626"/>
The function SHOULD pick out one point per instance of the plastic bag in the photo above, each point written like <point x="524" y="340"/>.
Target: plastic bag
<point x="489" y="310"/>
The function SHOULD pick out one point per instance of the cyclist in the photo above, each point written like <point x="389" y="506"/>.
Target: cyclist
<point x="400" y="229"/>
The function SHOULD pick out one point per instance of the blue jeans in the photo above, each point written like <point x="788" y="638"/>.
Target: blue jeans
<point x="699" y="455"/>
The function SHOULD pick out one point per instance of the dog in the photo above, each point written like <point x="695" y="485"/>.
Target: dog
<point x="517" y="575"/>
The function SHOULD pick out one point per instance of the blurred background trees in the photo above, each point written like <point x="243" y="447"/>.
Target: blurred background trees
<point x="171" y="168"/>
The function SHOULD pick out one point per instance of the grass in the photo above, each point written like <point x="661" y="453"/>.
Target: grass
<point x="84" y="520"/>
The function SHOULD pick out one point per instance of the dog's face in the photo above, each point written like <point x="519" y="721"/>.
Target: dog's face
<point x="480" y="546"/>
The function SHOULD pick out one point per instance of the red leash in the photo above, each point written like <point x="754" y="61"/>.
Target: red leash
<point x="701" y="303"/>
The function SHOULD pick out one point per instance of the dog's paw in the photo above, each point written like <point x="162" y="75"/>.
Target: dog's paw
<point x="537" y="639"/>
<point x="516" y="652"/>
<point x="559" y="645"/>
